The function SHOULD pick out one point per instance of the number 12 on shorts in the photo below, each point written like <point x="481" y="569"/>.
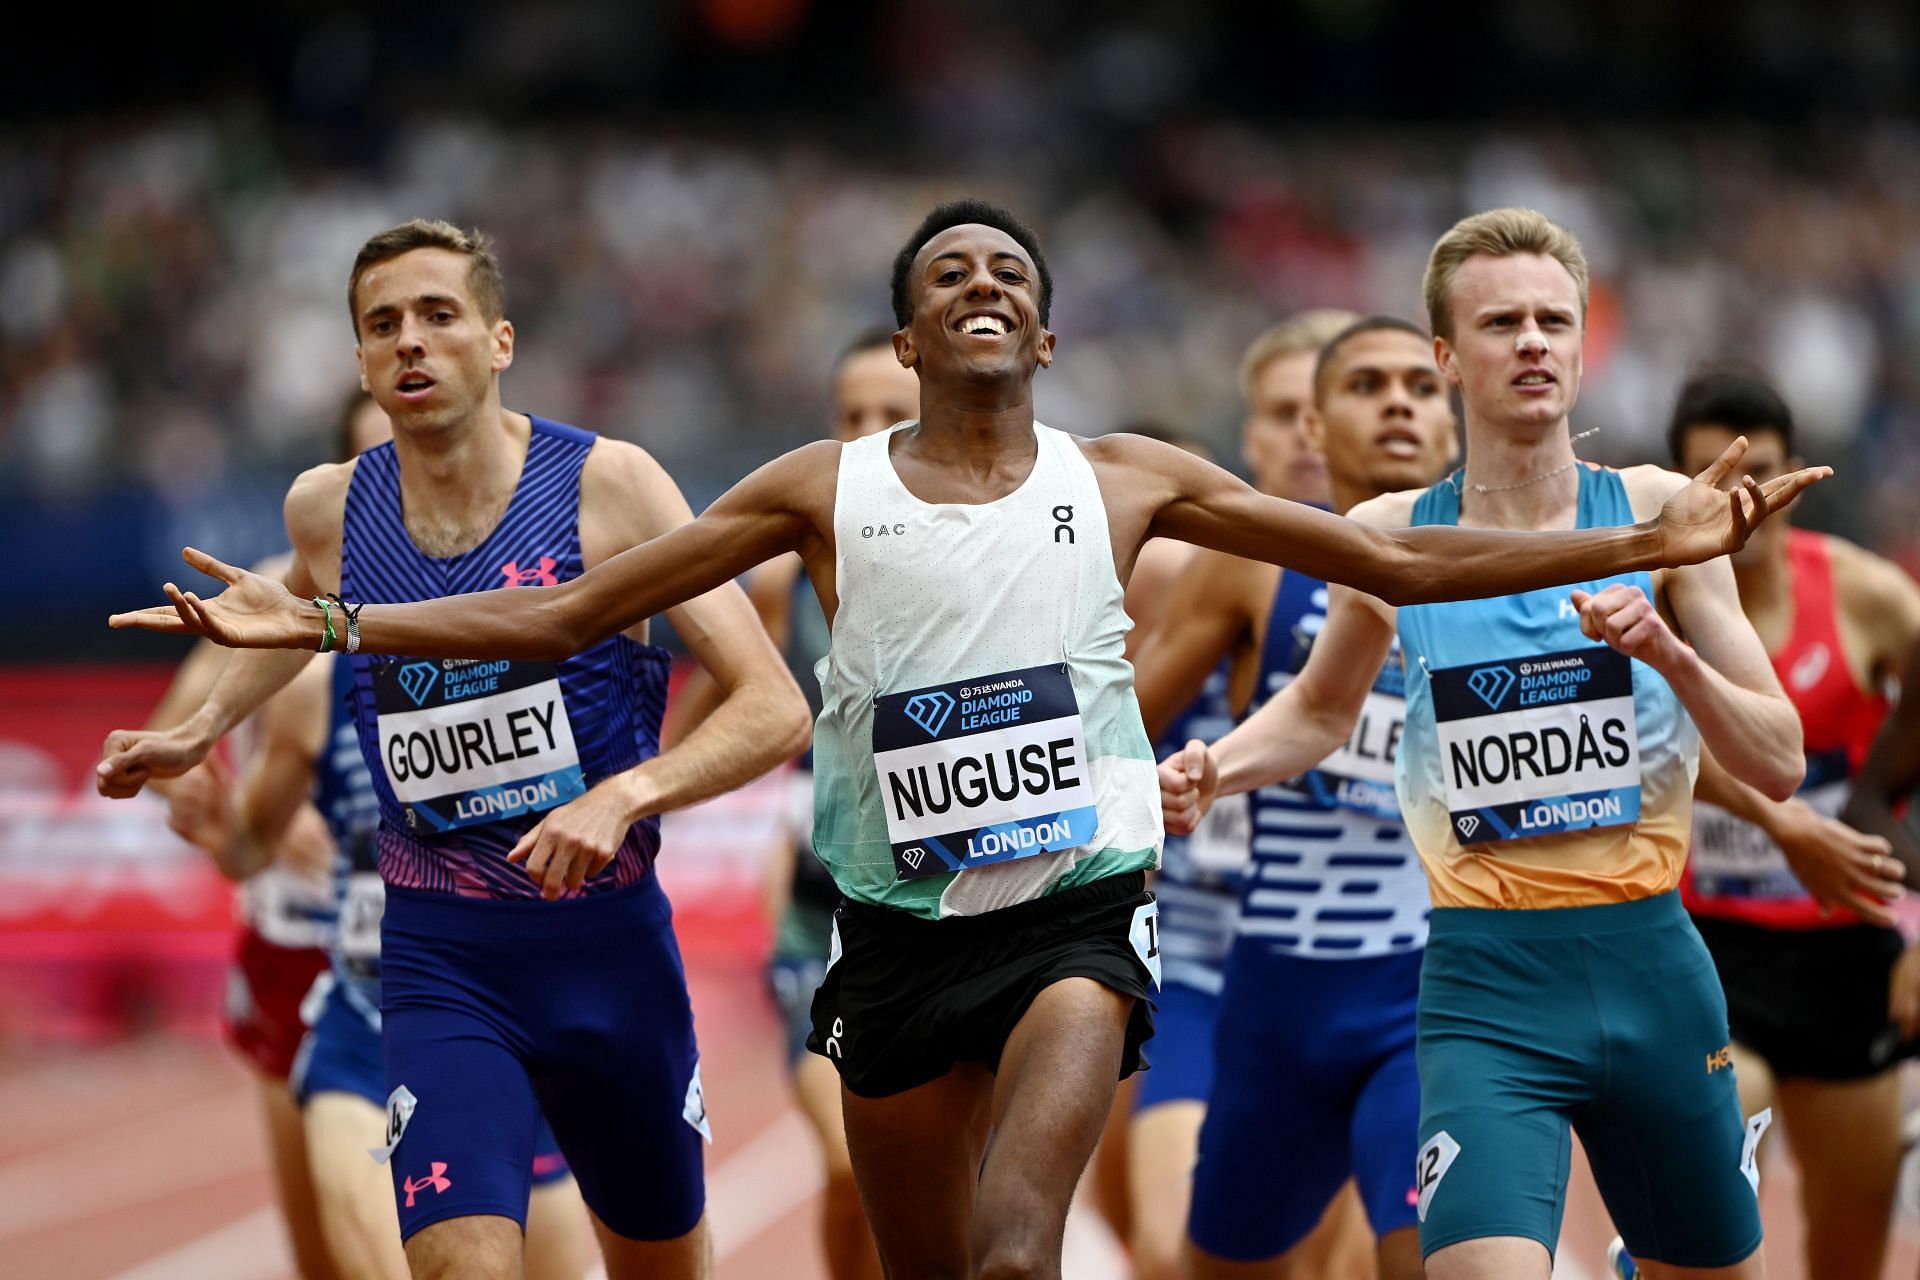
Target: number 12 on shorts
<point x="1431" y="1165"/>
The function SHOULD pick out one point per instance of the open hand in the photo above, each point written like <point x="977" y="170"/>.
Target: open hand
<point x="1188" y="781"/>
<point x="1702" y="521"/>
<point x="1839" y="866"/>
<point x="254" y="612"/>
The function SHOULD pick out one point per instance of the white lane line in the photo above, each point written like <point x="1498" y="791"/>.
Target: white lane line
<point x="116" y="1169"/>
<point x="249" y="1248"/>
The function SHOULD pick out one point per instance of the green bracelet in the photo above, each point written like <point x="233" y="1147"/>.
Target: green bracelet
<point x="326" y="615"/>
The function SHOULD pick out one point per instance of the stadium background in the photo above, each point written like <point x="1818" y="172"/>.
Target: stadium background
<point x="696" y="204"/>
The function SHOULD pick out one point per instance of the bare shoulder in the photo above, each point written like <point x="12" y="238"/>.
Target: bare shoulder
<point x="316" y="507"/>
<point x="1388" y="511"/>
<point x="1868" y="583"/>
<point x="1649" y="487"/>
<point x="1132" y="452"/>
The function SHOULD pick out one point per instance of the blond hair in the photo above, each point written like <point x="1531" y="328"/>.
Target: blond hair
<point x="484" y="279"/>
<point x="1498" y="233"/>
<point x="1300" y="335"/>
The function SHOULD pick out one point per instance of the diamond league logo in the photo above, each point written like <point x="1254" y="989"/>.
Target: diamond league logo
<point x="1491" y="683"/>
<point x="417" y="679"/>
<point x="1468" y="825"/>
<point x="930" y="711"/>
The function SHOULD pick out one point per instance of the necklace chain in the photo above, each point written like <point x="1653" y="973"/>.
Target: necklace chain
<point x="1521" y="484"/>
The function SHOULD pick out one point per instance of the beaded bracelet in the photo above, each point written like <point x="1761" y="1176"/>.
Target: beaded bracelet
<point x="352" y="614"/>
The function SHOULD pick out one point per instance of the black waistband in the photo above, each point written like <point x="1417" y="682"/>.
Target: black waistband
<point x="1105" y="892"/>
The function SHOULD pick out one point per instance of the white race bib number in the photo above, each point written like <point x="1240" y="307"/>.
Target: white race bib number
<point x="982" y="771"/>
<point x="1223" y="842"/>
<point x="360" y="914"/>
<point x="464" y="743"/>
<point x="1732" y="858"/>
<point x="1539" y="745"/>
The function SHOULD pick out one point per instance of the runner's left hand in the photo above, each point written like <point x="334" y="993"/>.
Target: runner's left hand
<point x="1626" y="620"/>
<point x="576" y="841"/>
<point x="1839" y="866"/>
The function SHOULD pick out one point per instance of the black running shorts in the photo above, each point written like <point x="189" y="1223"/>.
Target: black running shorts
<point x="1812" y="1002"/>
<point x="906" y="998"/>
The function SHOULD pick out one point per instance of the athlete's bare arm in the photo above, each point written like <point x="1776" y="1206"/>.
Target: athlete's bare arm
<point x="1207" y="615"/>
<point x="212" y="692"/>
<point x="770" y="592"/>
<point x="1891" y="773"/>
<point x="1309" y="719"/>
<point x="277" y="782"/>
<point x="1152" y="488"/>
<point x="1837" y="864"/>
<point x="1719" y="670"/>
<point x="1879" y="608"/>
<point x="627" y="500"/>
<point x="786" y="505"/>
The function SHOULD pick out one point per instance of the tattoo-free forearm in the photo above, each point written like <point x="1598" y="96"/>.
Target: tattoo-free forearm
<point x="757" y="726"/>
<point x="1755" y="736"/>
<point x="1284" y="739"/>
<point x="248" y="679"/>
<point x="554" y="623"/>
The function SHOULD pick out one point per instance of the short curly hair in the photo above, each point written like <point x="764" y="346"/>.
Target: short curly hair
<point x="960" y="213"/>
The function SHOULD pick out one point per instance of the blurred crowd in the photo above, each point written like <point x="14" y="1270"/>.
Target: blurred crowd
<point x="173" y="309"/>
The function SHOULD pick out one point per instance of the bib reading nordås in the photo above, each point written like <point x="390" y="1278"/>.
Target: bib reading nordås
<point x="983" y="770"/>
<point x="465" y="743"/>
<point x="1539" y="745"/>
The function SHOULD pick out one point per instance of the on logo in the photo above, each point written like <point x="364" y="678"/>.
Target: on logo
<point x="930" y="711"/>
<point x="833" y="1041"/>
<point x="1468" y="825"/>
<point x="417" y="681"/>
<point x="1063" y="517"/>
<point x="1491" y="683"/>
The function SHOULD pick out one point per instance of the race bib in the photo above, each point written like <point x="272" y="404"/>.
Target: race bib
<point x="1359" y="775"/>
<point x="982" y="771"/>
<point x="464" y="742"/>
<point x="360" y="913"/>
<point x="1539" y="745"/>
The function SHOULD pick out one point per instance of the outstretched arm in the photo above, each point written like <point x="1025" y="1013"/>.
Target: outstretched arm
<point x="760" y="721"/>
<point x="1202" y="504"/>
<point x="1204" y="616"/>
<point x="776" y="509"/>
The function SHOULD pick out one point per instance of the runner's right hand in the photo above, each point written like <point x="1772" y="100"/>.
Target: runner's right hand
<point x="1188" y="780"/>
<point x="254" y="612"/>
<point x="132" y="758"/>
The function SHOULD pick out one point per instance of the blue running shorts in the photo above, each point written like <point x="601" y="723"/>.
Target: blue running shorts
<point x="498" y="1010"/>
<point x="1183" y="1019"/>
<point x="1314" y="1083"/>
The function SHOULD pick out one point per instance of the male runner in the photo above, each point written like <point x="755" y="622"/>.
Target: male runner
<point x="1546" y="780"/>
<point x="870" y="392"/>
<point x="492" y="998"/>
<point x="1807" y="988"/>
<point x="984" y="786"/>
<point x="1890" y="774"/>
<point x="1198" y="885"/>
<point x="1316" y="1081"/>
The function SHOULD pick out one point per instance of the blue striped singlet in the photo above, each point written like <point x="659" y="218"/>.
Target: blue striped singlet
<point x="472" y="753"/>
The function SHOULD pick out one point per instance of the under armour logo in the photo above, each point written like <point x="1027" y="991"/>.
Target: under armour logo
<point x="930" y="711"/>
<point x="542" y="576"/>
<point x="417" y="679"/>
<point x="1491" y="683"/>
<point x="437" y="1180"/>
<point x="1468" y="825"/>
